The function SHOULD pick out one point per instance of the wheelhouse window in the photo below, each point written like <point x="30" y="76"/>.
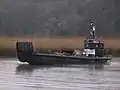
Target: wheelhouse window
<point x="94" y="45"/>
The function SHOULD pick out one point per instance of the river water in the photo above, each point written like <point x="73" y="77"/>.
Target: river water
<point x="15" y="75"/>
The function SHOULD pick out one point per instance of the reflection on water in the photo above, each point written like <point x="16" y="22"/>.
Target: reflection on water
<point x="15" y="75"/>
<point x="23" y="68"/>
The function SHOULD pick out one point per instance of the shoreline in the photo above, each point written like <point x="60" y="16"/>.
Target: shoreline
<point x="12" y="52"/>
<point x="8" y="44"/>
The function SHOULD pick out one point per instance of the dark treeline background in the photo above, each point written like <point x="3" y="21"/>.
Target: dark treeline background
<point x="59" y="17"/>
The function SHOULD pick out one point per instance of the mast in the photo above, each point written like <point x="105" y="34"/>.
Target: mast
<point x="92" y="30"/>
<point x="92" y="34"/>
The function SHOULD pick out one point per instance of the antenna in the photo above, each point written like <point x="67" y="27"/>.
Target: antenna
<point x="92" y="30"/>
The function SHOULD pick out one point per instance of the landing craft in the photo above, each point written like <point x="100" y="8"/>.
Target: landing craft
<point x="93" y="52"/>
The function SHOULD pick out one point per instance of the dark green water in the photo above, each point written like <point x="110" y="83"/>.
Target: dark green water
<point x="17" y="76"/>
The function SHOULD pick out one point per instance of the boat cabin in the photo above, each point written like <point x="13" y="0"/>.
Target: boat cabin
<point x="92" y="45"/>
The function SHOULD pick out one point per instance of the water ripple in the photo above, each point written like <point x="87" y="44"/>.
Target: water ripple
<point x="14" y="75"/>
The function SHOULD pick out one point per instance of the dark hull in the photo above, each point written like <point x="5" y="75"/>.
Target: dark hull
<point x="49" y="59"/>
